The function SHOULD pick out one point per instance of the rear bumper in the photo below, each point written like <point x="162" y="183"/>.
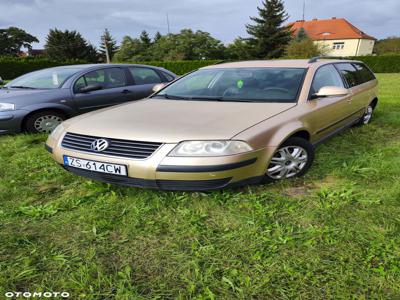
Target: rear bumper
<point x="11" y="121"/>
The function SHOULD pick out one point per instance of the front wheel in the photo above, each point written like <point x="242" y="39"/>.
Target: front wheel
<point x="293" y="158"/>
<point x="44" y="121"/>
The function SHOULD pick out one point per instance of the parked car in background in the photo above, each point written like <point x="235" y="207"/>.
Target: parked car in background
<point x="222" y="125"/>
<point x="39" y="101"/>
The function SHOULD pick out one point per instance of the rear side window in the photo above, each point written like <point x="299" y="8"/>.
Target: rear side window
<point x="349" y="72"/>
<point x="363" y="73"/>
<point x="144" y="75"/>
<point x="326" y="76"/>
<point x="107" y="78"/>
<point x="168" y="76"/>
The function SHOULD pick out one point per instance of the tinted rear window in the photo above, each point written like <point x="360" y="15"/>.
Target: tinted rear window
<point x="349" y="72"/>
<point x="363" y="73"/>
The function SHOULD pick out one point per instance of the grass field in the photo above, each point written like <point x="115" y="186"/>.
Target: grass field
<point x="334" y="233"/>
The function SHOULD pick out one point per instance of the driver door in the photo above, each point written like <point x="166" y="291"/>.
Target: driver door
<point x="113" y="82"/>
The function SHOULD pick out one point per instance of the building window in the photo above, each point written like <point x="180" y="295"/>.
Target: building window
<point x="337" y="46"/>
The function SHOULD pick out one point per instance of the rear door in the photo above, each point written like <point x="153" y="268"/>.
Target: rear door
<point x="365" y="86"/>
<point x="113" y="82"/>
<point x="354" y="82"/>
<point x="328" y="113"/>
<point x="144" y="79"/>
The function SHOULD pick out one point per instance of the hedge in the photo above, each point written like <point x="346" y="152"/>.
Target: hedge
<point x="381" y="64"/>
<point x="12" y="67"/>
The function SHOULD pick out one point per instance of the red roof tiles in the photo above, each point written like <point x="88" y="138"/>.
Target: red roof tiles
<point x="330" y="29"/>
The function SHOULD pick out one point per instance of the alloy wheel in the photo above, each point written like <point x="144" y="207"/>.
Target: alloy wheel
<point x="287" y="162"/>
<point x="368" y="115"/>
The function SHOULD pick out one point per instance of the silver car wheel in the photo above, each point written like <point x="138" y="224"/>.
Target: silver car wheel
<point x="287" y="162"/>
<point x="46" y="124"/>
<point x="368" y="115"/>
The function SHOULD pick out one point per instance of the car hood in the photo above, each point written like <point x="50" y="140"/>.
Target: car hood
<point x="172" y="121"/>
<point x="12" y="95"/>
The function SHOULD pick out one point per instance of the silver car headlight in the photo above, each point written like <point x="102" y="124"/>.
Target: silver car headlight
<point x="210" y="148"/>
<point x="7" y="106"/>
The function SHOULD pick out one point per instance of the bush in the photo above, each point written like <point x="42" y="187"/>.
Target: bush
<point x="382" y="63"/>
<point x="12" y="67"/>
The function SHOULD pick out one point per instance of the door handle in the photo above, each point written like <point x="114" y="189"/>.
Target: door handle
<point x="126" y="92"/>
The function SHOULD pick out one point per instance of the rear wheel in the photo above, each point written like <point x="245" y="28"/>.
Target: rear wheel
<point x="293" y="158"/>
<point x="367" y="116"/>
<point x="44" y="121"/>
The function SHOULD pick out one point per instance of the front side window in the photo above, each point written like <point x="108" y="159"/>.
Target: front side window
<point x="326" y="76"/>
<point x="106" y="78"/>
<point x="238" y="84"/>
<point x="45" y="79"/>
<point x="144" y="75"/>
<point x="349" y="73"/>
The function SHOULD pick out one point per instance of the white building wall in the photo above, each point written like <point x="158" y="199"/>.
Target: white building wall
<point x="348" y="47"/>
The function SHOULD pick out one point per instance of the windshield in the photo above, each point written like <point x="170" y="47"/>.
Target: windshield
<point x="239" y="84"/>
<point x="43" y="79"/>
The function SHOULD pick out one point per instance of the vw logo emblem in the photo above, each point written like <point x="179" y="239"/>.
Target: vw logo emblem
<point x="99" y="145"/>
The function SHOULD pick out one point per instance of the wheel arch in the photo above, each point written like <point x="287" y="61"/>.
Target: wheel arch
<point x="374" y="102"/>
<point x="60" y="109"/>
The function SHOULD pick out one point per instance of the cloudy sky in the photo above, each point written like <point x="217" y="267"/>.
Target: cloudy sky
<point x="224" y="19"/>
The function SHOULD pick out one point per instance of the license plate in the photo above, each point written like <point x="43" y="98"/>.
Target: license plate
<point x="95" y="166"/>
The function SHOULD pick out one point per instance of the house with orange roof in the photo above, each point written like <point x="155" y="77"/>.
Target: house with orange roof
<point x="337" y="35"/>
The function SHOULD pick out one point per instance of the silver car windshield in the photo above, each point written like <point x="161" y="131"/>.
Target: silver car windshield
<point x="238" y="84"/>
<point x="44" y="79"/>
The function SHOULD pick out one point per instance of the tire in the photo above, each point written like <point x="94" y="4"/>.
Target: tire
<point x="284" y="166"/>
<point x="44" y="121"/>
<point x="367" y="116"/>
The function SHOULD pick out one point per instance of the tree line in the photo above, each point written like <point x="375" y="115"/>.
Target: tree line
<point x="268" y="37"/>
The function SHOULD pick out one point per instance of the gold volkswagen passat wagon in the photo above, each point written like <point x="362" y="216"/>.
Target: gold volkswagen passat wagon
<point x="222" y="125"/>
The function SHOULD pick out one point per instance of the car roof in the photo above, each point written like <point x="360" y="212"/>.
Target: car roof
<point x="89" y="66"/>
<point x="277" y="63"/>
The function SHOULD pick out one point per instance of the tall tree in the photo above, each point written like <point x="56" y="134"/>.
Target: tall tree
<point x="268" y="35"/>
<point x="12" y="39"/>
<point x="109" y="40"/>
<point x="145" y="39"/>
<point x="157" y="37"/>
<point x="64" y="45"/>
<point x="301" y="35"/>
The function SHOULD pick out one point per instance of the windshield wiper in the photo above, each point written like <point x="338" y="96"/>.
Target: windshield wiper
<point x="21" y="87"/>
<point x="172" y="97"/>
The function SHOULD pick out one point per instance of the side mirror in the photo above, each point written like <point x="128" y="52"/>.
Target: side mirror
<point x="91" y="88"/>
<point x="158" y="87"/>
<point x="330" y="91"/>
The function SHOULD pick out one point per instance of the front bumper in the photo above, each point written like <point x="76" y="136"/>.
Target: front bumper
<point x="11" y="121"/>
<point x="174" y="173"/>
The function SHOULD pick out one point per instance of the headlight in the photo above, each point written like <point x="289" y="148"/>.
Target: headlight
<point x="7" y="106"/>
<point x="210" y="148"/>
<point x="57" y="132"/>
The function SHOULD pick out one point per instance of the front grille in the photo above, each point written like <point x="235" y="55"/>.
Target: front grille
<point x="120" y="148"/>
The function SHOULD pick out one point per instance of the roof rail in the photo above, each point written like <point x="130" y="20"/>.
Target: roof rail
<point x="316" y="58"/>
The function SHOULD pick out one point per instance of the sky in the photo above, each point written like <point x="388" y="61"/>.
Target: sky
<point x="224" y="19"/>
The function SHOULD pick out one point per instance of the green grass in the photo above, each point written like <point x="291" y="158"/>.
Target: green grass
<point x="334" y="233"/>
